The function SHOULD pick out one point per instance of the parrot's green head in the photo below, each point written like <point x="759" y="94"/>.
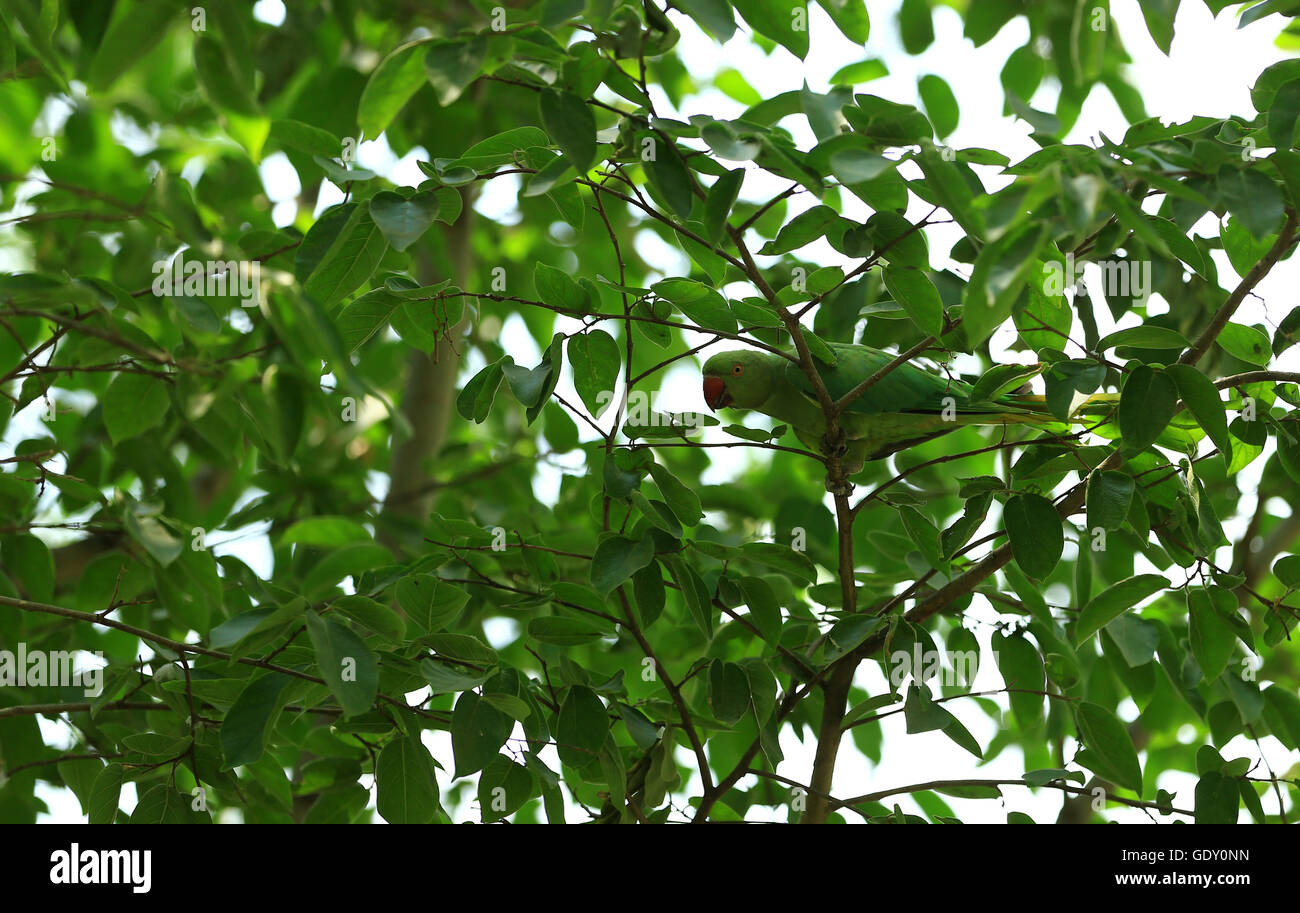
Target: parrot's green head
<point x="742" y="379"/>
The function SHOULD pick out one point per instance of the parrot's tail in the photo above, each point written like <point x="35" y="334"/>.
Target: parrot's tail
<point x="1095" y="406"/>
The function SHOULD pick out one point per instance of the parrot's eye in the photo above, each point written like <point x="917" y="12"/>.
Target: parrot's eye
<point x="737" y="369"/>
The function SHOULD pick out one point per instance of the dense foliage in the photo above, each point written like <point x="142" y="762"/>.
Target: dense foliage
<point x="496" y="585"/>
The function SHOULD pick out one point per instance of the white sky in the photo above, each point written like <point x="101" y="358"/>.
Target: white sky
<point x="1210" y="71"/>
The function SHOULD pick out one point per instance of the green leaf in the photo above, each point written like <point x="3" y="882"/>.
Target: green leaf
<point x="345" y="662"/>
<point x="478" y="730"/>
<point x="850" y="17"/>
<point x="856" y="73"/>
<point x="250" y="718"/>
<point x="1001" y="379"/>
<point x="349" y="260"/>
<point x="701" y="304"/>
<point x="1049" y="775"/>
<point x="1246" y="343"/>
<point x="1022" y="670"/>
<point x="1114" y="600"/>
<point x="306" y="138"/>
<point x="324" y="532"/>
<point x="668" y="174"/>
<point x="105" y="793"/>
<point x="1110" y="494"/>
<point x="684" y="503"/>
<point x="1288" y="332"/>
<point x="1110" y="749"/>
<point x="557" y="12"/>
<point x="717" y="206"/>
<point x="502" y="149"/>
<point x="430" y="602"/>
<point x="1287" y="570"/>
<point x="341" y="174"/>
<point x="475" y="400"/>
<point x="595" y="359"/>
<point x="373" y="615"/>
<point x="916" y="26"/>
<point x="444" y="678"/>
<point x="853" y="166"/>
<point x="133" y="404"/>
<point x="648" y="590"/>
<point x="504" y="787"/>
<point x="802" y="230"/>
<point x="618" y="558"/>
<point x="161" y="804"/>
<point x="848" y="634"/>
<point x="406" y="791"/>
<point x="922" y="532"/>
<point x="533" y="388"/>
<point x="157" y="539"/>
<point x="1217" y="799"/>
<point x="528" y="385"/>
<point x="953" y="186"/>
<point x="1282" y="709"/>
<point x="694" y="591"/>
<point x="1146" y="405"/>
<point x="569" y="121"/>
<point x="558" y="289"/>
<point x="365" y="316"/>
<point x="1034" y="528"/>
<point x="403" y="220"/>
<point x="1282" y="115"/>
<point x="155" y="744"/>
<point x="581" y="728"/>
<point x="913" y="290"/>
<point x="135" y="27"/>
<point x="451" y="65"/>
<point x="225" y="86"/>
<point x="793" y="564"/>
<point x="390" y="86"/>
<point x="319" y="237"/>
<point x="940" y="104"/>
<point x="1202" y="400"/>
<point x="464" y="647"/>
<point x="548" y="178"/>
<point x="924" y="715"/>
<point x="1143" y="337"/>
<point x="764" y="609"/>
<point x="714" y="16"/>
<point x="783" y="21"/>
<point x="1000" y="273"/>
<point x="728" y="691"/>
<point x="1209" y="631"/>
<point x="959" y="533"/>
<point x="562" y="631"/>
<point x="1137" y="639"/>
<point x="1251" y="197"/>
<point x="28" y="560"/>
<point x="1022" y="73"/>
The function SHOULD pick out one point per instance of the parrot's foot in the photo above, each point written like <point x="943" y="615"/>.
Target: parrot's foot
<point x="843" y="487"/>
<point x="836" y="448"/>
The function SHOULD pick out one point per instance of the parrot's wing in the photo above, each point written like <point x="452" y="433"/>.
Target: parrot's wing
<point x="908" y="388"/>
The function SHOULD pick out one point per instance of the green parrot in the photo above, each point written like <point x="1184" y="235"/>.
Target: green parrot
<point x="909" y="405"/>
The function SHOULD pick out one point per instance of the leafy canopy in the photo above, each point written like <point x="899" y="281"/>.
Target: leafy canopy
<point x="278" y="454"/>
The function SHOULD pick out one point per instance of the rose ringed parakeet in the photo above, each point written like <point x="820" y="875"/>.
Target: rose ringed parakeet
<point x="907" y="406"/>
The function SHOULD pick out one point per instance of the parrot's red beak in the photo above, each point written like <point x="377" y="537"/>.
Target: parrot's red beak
<point x="715" y="393"/>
